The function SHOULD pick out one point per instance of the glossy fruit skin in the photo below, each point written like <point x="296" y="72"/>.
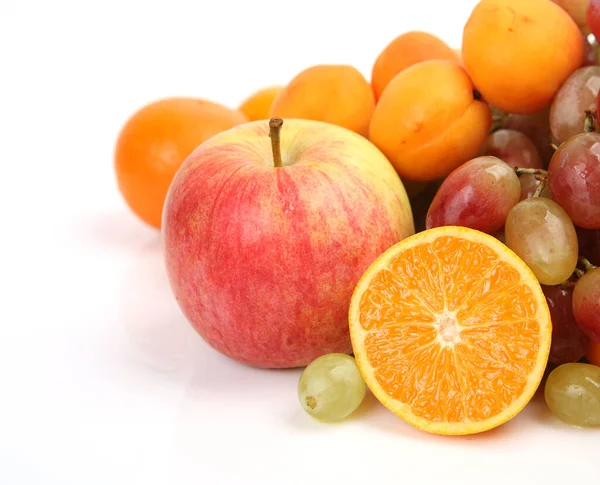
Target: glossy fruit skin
<point x="258" y="105"/>
<point x="334" y="93"/>
<point x="514" y="148"/>
<point x="578" y="94"/>
<point x="529" y="185"/>
<point x="263" y="260"/>
<point x="574" y="178"/>
<point x="586" y="303"/>
<point x="593" y="17"/>
<point x="478" y="194"/>
<point x="505" y="36"/>
<point x="541" y="233"/>
<point x="331" y="387"/>
<point x="156" y="140"/>
<point x="404" y="51"/>
<point x="589" y="244"/>
<point x="569" y="343"/>
<point x="572" y="393"/>
<point x="537" y="128"/>
<point x="427" y="128"/>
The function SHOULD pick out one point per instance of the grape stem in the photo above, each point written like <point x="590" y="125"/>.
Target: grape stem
<point x="568" y="284"/>
<point x="542" y="185"/>
<point x="499" y="119"/>
<point x="531" y="171"/>
<point x="554" y="146"/>
<point x="590" y="122"/>
<point x="587" y="266"/>
<point x="274" y="129"/>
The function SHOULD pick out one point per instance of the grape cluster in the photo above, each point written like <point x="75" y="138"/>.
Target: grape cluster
<point x="536" y="187"/>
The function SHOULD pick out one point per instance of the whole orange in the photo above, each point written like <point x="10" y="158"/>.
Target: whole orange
<point x="156" y="140"/>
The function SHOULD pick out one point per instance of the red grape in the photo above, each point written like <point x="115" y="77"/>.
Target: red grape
<point x="569" y="343"/>
<point x="593" y="17"/>
<point x="586" y="303"/>
<point x="529" y="185"/>
<point x="577" y="10"/>
<point x="478" y="194"/>
<point x="578" y="94"/>
<point x="589" y="54"/>
<point x="537" y="128"/>
<point x="512" y="147"/>
<point x="574" y="178"/>
<point x="589" y="244"/>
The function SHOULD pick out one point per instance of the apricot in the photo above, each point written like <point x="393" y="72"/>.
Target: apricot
<point x="429" y="121"/>
<point x="258" y="105"/>
<point x="518" y="53"/>
<point x="335" y="94"/>
<point x="404" y="51"/>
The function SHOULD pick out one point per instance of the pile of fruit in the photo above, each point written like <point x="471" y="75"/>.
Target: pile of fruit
<point x="431" y="235"/>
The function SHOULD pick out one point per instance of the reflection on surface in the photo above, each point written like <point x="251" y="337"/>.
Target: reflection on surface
<point x="159" y="334"/>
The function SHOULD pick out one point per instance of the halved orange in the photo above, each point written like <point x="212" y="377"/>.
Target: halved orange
<point x="451" y="331"/>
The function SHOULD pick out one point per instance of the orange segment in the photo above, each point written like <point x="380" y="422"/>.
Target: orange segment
<point x="451" y="331"/>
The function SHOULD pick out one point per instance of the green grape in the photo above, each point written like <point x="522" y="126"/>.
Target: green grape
<point x="331" y="387"/>
<point x="572" y="393"/>
<point x="541" y="233"/>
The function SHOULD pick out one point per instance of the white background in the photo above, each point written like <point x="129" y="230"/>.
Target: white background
<point x="102" y="381"/>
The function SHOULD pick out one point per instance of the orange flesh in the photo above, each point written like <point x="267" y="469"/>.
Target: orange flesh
<point x="452" y="330"/>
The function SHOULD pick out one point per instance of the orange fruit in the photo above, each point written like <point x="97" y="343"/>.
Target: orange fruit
<point x="451" y="331"/>
<point x="257" y="106"/>
<point x="593" y="353"/>
<point x="156" y="140"/>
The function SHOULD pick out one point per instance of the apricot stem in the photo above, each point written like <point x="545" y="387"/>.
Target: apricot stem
<point x="274" y="130"/>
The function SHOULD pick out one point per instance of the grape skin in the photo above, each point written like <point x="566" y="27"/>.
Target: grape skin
<point x="529" y="185"/>
<point x="574" y="179"/>
<point x="586" y="303"/>
<point x="331" y="387"/>
<point x="578" y="94"/>
<point x="540" y="232"/>
<point x="512" y="147"/>
<point x="478" y="194"/>
<point x="569" y="343"/>
<point x="593" y="17"/>
<point x="537" y="128"/>
<point x="572" y="393"/>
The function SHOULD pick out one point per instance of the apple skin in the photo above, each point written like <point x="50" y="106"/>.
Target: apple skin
<point x="263" y="260"/>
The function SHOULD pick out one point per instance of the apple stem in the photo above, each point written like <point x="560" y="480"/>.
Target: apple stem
<point x="275" y="128"/>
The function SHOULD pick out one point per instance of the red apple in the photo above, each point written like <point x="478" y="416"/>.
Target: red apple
<point x="265" y="237"/>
